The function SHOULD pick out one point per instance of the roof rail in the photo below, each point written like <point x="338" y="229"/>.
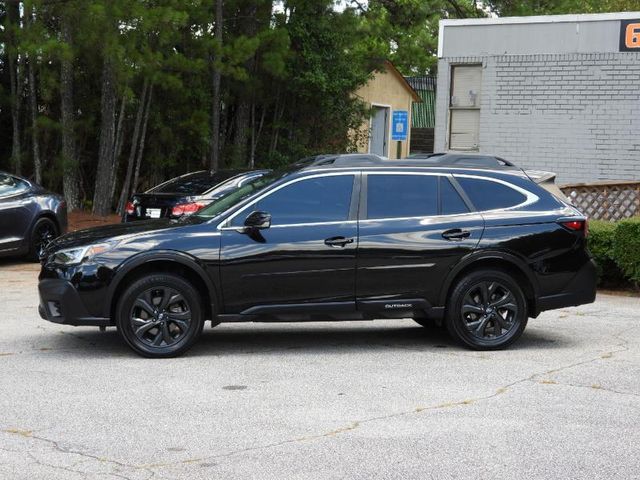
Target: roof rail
<point x="342" y="159"/>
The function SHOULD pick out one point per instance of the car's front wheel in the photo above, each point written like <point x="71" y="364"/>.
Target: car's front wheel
<point x="160" y="316"/>
<point x="487" y="310"/>
<point x="43" y="231"/>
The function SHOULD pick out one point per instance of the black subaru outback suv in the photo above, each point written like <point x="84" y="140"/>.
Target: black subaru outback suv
<point x="480" y="250"/>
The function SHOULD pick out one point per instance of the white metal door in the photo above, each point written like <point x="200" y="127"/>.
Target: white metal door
<point x="379" y="139"/>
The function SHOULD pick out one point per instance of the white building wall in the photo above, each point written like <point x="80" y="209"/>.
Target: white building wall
<point x="575" y="114"/>
<point x="556" y="93"/>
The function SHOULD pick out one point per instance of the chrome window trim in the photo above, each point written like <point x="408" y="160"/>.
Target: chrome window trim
<point x="221" y="225"/>
<point x="530" y="197"/>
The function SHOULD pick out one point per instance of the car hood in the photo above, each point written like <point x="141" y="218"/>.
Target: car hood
<point x="120" y="231"/>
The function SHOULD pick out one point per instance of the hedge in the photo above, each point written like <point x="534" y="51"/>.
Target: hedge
<point x="626" y="248"/>
<point x="616" y="250"/>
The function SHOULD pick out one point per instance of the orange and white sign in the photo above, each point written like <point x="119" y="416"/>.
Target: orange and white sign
<point x="630" y="35"/>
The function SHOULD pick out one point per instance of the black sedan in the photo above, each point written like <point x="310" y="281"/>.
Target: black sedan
<point x="30" y="216"/>
<point x="186" y="194"/>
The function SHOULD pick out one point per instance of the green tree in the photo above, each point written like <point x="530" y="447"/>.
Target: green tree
<point x="507" y="8"/>
<point x="406" y="31"/>
<point x="123" y="94"/>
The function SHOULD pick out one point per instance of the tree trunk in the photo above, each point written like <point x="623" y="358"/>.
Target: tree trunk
<point x="255" y="135"/>
<point x="13" y="16"/>
<point x="70" y="176"/>
<point x="117" y="149"/>
<point x="217" y="80"/>
<point x="249" y="26"/>
<point x="278" y="111"/>
<point x="242" y="126"/>
<point x="101" y="199"/>
<point x="124" y="193"/>
<point x="142" y="139"/>
<point x="33" y="104"/>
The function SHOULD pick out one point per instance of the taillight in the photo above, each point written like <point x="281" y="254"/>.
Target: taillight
<point x="186" y="208"/>
<point x="130" y="208"/>
<point x="576" y="226"/>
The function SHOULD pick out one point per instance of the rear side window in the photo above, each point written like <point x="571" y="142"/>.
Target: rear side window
<point x="321" y="199"/>
<point x="397" y="196"/>
<point x="452" y="202"/>
<point x="488" y="195"/>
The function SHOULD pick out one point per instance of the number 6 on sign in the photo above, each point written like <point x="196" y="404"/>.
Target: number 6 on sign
<point x="629" y="35"/>
<point x="632" y="37"/>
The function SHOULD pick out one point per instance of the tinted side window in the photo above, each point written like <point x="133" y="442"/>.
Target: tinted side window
<point x="452" y="202"/>
<point x="321" y="199"/>
<point x="390" y="196"/>
<point x="11" y="186"/>
<point x="488" y="195"/>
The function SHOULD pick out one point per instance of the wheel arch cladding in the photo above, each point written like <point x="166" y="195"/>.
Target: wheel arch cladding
<point x="494" y="262"/>
<point x="165" y="264"/>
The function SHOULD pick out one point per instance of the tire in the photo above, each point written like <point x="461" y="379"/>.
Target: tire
<point x="487" y="310"/>
<point x="160" y="316"/>
<point x="43" y="231"/>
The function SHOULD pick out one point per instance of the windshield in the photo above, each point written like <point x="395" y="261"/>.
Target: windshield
<point x="229" y="198"/>
<point x="235" y="182"/>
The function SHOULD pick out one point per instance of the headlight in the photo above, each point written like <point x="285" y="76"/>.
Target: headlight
<point x="75" y="256"/>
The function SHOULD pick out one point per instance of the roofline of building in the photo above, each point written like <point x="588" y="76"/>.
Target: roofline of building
<point x="390" y="67"/>
<point x="572" y="18"/>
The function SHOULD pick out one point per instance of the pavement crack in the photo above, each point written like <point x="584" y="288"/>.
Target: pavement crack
<point x="591" y="387"/>
<point x="622" y="346"/>
<point x="56" y="445"/>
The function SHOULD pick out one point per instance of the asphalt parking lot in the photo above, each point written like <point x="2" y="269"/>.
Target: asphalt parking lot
<point x="363" y="400"/>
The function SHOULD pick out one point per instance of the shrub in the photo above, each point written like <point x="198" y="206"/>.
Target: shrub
<point x="601" y="245"/>
<point x="626" y="248"/>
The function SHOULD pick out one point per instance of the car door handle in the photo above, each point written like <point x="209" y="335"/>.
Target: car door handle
<point x="338" y="241"/>
<point x="456" y="234"/>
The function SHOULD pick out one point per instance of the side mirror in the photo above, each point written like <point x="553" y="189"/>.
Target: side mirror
<point x="258" y="221"/>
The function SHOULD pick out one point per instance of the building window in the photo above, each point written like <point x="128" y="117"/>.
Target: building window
<point x="464" y="107"/>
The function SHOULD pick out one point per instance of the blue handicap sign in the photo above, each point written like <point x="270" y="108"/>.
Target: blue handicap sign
<point x="400" y="125"/>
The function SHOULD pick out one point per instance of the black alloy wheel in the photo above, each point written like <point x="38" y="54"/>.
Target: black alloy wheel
<point x="160" y="316"/>
<point x="42" y="233"/>
<point x="487" y="310"/>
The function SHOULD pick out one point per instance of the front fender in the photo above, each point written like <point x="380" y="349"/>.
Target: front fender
<point x="181" y="258"/>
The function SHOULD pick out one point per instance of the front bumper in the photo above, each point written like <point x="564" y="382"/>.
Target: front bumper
<point x="580" y="290"/>
<point x="60" y="303"/>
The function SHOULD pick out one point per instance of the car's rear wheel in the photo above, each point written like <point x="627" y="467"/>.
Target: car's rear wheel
<point x="487" y="310"/>
<point x="160" y="316"/>
<point x="42" y="233"/>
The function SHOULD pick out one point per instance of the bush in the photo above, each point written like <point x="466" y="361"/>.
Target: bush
<point x="601" y="245"/>
<point x="626" y="248"/>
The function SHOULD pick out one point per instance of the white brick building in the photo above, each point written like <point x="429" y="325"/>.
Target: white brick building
<point x="558" y="93"/>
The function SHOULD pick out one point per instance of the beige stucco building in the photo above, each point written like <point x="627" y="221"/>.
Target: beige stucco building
<point x="388" y="130"/>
